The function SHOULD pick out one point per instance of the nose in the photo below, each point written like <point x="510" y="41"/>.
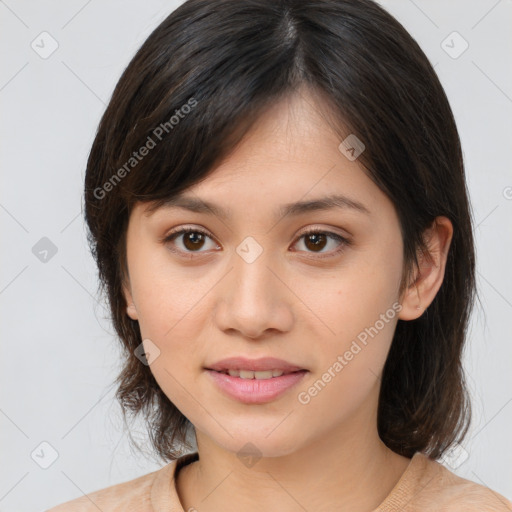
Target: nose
<point x="254" y="299"/>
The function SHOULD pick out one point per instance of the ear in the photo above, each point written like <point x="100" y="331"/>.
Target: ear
<point x="131" y="310"/>
<point x="428" y="279"/>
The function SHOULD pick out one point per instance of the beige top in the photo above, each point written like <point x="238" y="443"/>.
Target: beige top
<point x="425" y="485"/>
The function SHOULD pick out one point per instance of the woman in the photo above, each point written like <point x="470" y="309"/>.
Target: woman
<point x="277" y="205"/>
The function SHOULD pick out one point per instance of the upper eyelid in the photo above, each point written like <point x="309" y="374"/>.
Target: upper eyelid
<point x="303" y="231"/>
<point x="183" y="229"/>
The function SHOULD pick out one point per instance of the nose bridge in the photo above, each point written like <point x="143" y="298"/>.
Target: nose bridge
<point x="253" y="279"/>
<point x="251" y="300"/>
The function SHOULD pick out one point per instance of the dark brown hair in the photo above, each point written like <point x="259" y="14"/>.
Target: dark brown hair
<point x="189" y="95"/>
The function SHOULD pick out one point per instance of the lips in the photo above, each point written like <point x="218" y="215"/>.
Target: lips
<point x="254" y="381"/>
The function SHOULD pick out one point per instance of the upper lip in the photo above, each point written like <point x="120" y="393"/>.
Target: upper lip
<point x="255" y="365"/>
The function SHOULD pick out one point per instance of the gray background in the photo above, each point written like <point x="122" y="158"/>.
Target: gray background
<point x="59" y="356"/>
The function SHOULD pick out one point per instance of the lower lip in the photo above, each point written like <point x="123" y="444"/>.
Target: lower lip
<point x="256" y="391"/>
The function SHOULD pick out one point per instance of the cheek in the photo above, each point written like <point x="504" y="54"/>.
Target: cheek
<point x="167" y="297"/>
<point x="171" y="316"/>
<point x="354" y="298"/>
<point x="359" y="311"/>
<point x="349" y="374"/>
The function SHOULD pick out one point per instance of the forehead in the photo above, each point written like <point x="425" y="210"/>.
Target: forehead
<point x="289" y="163"/>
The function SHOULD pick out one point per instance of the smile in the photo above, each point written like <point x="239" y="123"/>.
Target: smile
<point x="255" y="387"/>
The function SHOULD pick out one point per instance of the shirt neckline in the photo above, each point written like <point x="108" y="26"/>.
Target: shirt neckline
<point x="164" y="495"/>
<point x="401" y="493"/>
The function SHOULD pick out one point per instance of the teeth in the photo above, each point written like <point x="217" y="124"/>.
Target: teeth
<point x="248" y="374"/>
<point x="263" y="375"/>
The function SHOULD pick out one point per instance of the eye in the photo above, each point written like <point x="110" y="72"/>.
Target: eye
<point x="316" y="240"/>
<point x="193" y="239"/>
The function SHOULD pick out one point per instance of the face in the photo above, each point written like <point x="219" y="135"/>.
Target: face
<point x="250" y="282"/>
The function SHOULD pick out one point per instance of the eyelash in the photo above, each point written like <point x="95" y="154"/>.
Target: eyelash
<point x="344" y="242"/>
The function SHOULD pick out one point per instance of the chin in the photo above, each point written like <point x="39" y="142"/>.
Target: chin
<point x="256" y="442"/>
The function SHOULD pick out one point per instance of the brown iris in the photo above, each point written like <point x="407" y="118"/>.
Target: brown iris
<point x="317" y="240"/>
<point x="193" y="240"/>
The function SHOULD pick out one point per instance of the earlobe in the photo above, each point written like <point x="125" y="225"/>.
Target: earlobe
<point x="412" y="306"/>
<point x="429" y="277"/>
<point x="131" y="310"/>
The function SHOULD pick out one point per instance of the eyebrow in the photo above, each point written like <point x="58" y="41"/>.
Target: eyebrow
<point x="197" y="205"/>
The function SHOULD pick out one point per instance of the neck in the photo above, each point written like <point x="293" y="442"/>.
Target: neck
<point x="348" y="469"/>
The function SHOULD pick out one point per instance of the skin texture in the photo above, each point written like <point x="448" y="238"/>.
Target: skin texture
<point x="291" y="303"/>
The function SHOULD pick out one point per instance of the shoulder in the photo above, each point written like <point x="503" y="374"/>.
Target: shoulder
<point x="446" y="491"/>
<point x="130" y="496"/>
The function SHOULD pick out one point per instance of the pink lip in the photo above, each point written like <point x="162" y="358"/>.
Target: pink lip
<point x="255" y="391"/>
<point x="255" y="365"/>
